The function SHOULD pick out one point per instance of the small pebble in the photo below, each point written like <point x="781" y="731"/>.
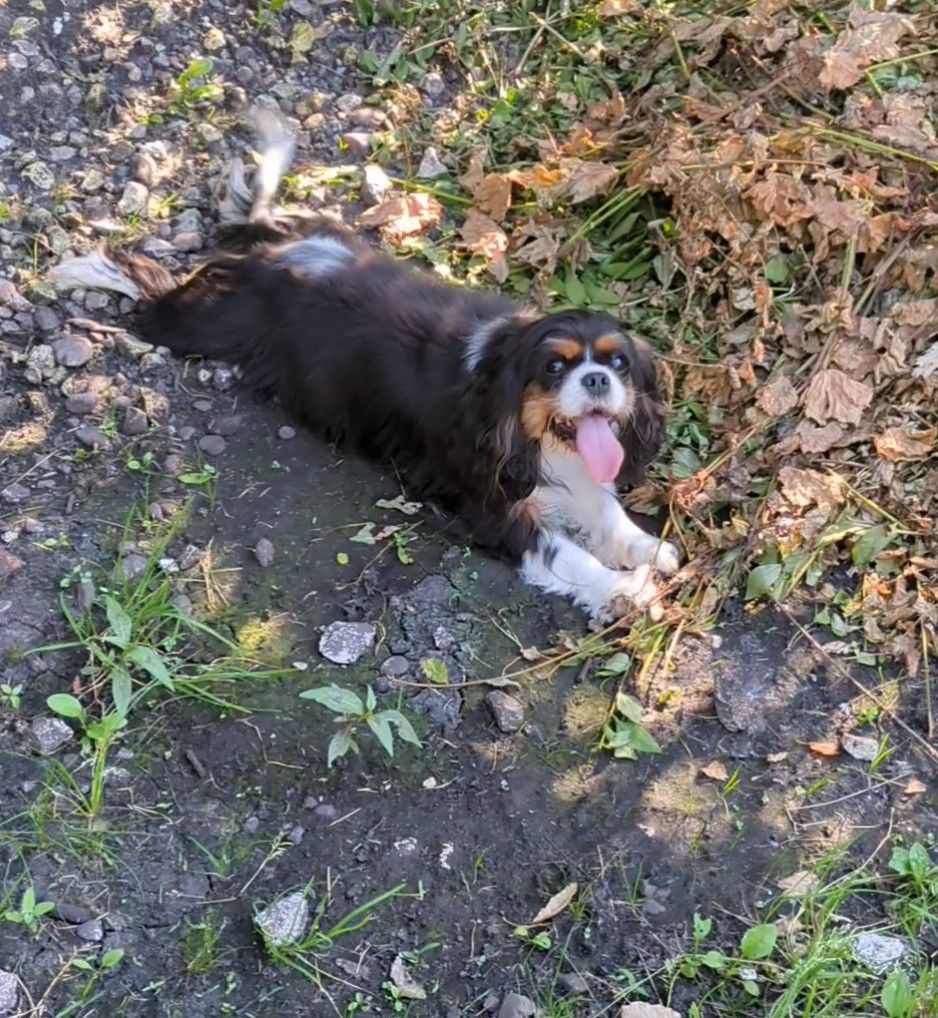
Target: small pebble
<point x="264" y="552"/>
<point x="212" y="445"/>
<point x="286" y="432"/>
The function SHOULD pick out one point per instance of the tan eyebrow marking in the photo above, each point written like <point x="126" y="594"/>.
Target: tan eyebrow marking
<point x="610" y="343"/>
<point x="568" y="349"/>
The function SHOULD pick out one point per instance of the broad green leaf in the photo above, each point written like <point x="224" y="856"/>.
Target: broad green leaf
<point x="575" y="290"/>
<point x="121" y="690"/>
<point x="151" y="662"/>
<point x="197" y="69"/>
<point x="702" y="927"/>
<point x="336" y="699"/>
<point x="624" y="753"/>
<point x="404" y="728"/>
<point x="897" y="995"/>
<point x="80" y="964"/>
<point x="762" y="579"/>
<point x="870" y="543"/>
<point x="382" y="732"/>
<point x="120" y="622"/>
<point x="714" y="960"/>
<point x="28" y="902"/>
<point x="644" y="742"/>
<point x="435" y="671"/>
<point x="776" y="270"/>
<point x="339" y="745"/>
<point x="371" y="701"/>
<point x="629" y="707"/>
<point x="617" y="664"/>
<point x="759" y="942"/>
<point x="919" y="861"/>
<point x="111" y="958"/>
<point x="365" y="535"/>
<point x="751" y="987"/>
<point x="65" y="705"/>
<point x="43" y="908"/>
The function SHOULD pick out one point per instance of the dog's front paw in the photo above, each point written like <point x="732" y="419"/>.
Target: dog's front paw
<point x="641" y="550"/>
<point x="633" y="588"/>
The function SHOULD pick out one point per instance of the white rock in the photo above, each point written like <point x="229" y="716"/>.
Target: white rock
<point x="286" y="920"/>
<point x="343" y="643"/>
<point x="878" y="952"/>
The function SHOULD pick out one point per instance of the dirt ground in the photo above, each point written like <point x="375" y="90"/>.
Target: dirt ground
<point x="213" y="812"/>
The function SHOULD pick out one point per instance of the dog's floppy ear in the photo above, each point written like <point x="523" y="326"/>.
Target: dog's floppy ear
<point x="646" y="429"/>
<point x="513" y="459"/>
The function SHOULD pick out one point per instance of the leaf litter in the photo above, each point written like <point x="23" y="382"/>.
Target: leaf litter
<point x="752" y="188"/>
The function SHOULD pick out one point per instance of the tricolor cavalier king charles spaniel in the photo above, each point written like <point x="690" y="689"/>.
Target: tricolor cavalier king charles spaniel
<point x="517" y="423"/>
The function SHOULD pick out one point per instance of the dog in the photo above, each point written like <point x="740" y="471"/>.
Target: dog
<point x="518" y="424"/>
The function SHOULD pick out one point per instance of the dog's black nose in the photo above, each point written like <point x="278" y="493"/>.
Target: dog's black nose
<point x="596" y="383"/>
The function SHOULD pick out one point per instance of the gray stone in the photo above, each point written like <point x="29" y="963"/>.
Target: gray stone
<point x="344" y="643"/>
<point x="212" y="445"/>
<point x="40" y="363"/>
<point x="96" y="301"/>
<point x="9" y="993"/>
<point x="93" y="438"/>
<point x="188" y="240"/>
<point x="134" y="565"/>
<point x="82" y="403"/>
<point x="572" y="983"/>
<point x="226" y="425"/>
<point x="130" y="346"/>
<point x="286" y="432"/>
<point x="46" y="319"/>
<point x="144" y="169"/>
<point x="50" y="734"/>
<point x="878" y="952"/>
<point x="223" y="378"/>
<point x="264" y="552"/>
<point x="507" y="711"/>
<point x="16" y="493"/>
<point x="376" y="185"/>
<point x="73" y="351"/>
<point x="358" y="143"/>
<point x="433" y="85"/>
<point x="134" y="200"/>
<point x="431" y="165"/>
<point x="325" y="813"/>
<point x="135" y="422"/>
<point x="442" y="706"/>
<point x="39" y="174"/>
<point x="285" y="921"/>
<point x="514" y="1005"/>
<point x="91" y="931"/>
<point x="297" y="832"/>
<point x="395" y="666"/>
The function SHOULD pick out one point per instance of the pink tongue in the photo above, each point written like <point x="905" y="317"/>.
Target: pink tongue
<point x="599" y="448"/>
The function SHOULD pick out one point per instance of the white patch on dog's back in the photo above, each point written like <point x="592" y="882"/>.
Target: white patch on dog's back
<point x="316" y="256"/>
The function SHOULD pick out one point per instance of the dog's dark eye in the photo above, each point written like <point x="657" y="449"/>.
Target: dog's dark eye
<point x="555" y="367"/>
<point x="617" y="362"/>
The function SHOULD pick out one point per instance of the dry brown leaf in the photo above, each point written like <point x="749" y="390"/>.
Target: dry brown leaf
<point x="586" y="180"/>
<point x="834" y="395"/>
<point x="816" y="440"/>
<point x="897" y="445"/>
<point x="914" y="787"/>
<point x="475" y="171"/>
<point x="778" y="397"/>
<point x="825" y="748"/>
<point x="537" y="245"/>
<point x="492" y="195"/>
<point x="556" y="905"/>
<point x="538" y="178"/>
<point x="715" y="771"/>
<point x="799" y="884"/>
<point x="871" y="37"/>
<point x="403" y="216"/>
<point x="639" y="1009"/>
<point x="484" y="237"/>
<point x="612" y="8"/>
<point x="805" y="488"/>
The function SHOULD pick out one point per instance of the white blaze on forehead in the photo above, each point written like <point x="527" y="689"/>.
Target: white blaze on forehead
<point x="573" y="400"/>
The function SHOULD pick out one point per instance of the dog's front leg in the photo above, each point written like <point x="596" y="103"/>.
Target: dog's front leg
<point x="560" y="566"/>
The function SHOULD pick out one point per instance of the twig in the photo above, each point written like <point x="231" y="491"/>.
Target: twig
<point x="563" y="42"/>
<point x="836" y="666"/>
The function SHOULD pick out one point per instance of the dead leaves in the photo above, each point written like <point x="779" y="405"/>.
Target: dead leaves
<point x="871" y="37"/>
<point x="805" y="488"/>
<point x="834" y="395"/>
<point x="901" y="444"/>
<point x="403" y="216"/>
<point x="482" y="236"/>
<point x="778" y="398"/>
<point x="715" y="771"/>
<point x="556" y="905"/>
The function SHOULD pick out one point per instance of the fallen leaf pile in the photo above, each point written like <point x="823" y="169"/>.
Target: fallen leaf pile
<point x="754" y="188"/>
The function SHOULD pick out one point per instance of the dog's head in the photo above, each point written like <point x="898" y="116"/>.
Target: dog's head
<point x="573" y="379"/>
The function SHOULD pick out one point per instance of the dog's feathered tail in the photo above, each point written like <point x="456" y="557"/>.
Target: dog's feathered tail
<point x="200" y="315"/>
